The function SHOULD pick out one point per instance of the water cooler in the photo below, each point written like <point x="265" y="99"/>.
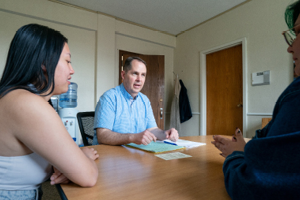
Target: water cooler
<point x="68" y="112"/>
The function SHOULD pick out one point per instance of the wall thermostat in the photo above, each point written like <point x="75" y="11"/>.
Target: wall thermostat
<point x="261" y="78"/>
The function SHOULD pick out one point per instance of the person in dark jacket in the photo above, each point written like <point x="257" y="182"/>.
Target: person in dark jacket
<point x="268" y="166"/>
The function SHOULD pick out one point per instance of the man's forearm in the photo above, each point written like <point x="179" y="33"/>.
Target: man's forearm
<point x="106" y="136"/>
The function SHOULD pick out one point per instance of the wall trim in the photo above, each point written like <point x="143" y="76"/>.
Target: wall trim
<point x="144" y="40"/>
<point x="44" y="19"/>
<point x="194" y="113"/>
<point x="259" y="114"/>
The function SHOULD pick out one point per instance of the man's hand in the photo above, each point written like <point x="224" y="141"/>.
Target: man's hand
<point x="144" y="137"/>
<point x="172" y="134"/>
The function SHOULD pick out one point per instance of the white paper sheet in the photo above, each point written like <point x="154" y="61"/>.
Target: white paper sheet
<point x="171" y="156"/>
<point x="185" y="143"/>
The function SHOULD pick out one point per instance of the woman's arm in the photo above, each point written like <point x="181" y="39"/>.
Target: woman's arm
<point x="36" y="124"/>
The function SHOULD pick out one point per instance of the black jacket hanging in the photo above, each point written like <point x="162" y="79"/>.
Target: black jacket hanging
<point x="184" y="104"/>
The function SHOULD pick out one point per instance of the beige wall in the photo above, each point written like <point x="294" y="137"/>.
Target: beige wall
<point x="81" y="39"/>
<point x="260" y="23"/>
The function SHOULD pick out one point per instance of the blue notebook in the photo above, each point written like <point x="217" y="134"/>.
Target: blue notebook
<point x="155" y="147"/>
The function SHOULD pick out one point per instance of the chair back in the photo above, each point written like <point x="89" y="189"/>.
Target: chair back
<point x="86" y="126"/>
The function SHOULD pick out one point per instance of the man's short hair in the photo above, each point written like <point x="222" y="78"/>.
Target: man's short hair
<point x="127" y="66"/>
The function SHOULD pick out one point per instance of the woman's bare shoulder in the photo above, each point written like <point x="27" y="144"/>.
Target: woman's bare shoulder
<point x="19" y="92"/>
<point x="19" y="104"/>
<point x="20" y="97"/>
<point x="17" y="111"/>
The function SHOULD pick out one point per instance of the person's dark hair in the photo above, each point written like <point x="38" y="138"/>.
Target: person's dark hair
<point x="127" y="66"/>
<point x="33" y="47"/>
<point x="291" y="14"/>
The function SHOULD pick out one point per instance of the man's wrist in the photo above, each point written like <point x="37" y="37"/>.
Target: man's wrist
<point x="130" y="138"/>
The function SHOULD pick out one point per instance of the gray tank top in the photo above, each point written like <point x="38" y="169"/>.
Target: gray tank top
<point x="23" y="172"/>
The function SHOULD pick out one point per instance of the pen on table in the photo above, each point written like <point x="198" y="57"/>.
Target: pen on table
<point x="170" y="143"/>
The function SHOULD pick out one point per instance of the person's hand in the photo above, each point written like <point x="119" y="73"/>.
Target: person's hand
<point x="90" y="153"/>
<point x="144" y="137"/>
<point x="236" y="133"/>
<point x="58" y="178"/>
<point x="228" y="146"/>
<point x="172" y="134"/>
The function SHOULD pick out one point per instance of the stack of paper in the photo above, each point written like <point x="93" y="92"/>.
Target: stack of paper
<point x="184" y="143"/>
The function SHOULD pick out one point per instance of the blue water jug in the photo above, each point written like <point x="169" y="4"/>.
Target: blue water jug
<point x="69" y="99"/>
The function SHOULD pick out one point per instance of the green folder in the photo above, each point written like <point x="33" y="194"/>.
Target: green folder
<point x="155" y="147"/>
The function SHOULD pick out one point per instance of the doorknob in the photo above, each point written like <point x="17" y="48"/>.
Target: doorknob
<point x="240" y="105"/>
<point x="161" y="113"/>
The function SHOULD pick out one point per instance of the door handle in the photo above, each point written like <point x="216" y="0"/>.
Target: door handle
<point x="161" y="113"/>
<point x="240" y="105"/>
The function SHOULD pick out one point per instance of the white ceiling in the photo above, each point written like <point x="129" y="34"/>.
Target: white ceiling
<point x="169" y="16"/>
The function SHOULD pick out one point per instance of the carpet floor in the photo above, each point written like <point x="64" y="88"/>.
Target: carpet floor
<point x="49" y="192"/>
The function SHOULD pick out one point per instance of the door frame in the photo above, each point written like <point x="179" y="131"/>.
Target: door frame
<point x="202" y="86"/>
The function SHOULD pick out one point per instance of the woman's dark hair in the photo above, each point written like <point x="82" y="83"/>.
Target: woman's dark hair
<point x="291" y="14"/>
<point x="33" y="47"/>
<point x="127" y="66"/>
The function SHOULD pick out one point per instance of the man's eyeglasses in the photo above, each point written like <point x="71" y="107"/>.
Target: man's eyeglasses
<point x="289" y="36"/>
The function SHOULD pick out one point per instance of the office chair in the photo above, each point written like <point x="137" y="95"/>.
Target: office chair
<point x="86" y="126"/>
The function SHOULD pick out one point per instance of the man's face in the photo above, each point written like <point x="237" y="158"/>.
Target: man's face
<point x="134" y="79"/>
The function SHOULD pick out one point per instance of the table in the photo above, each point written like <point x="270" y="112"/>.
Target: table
<point x="128" y="173"/>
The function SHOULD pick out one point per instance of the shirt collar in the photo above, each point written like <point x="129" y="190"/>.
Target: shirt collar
<point x="126" y="94"/>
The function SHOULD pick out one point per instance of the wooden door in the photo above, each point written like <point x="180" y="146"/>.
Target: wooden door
<point x="154" y="84"/>
<point x="224" y="91"/>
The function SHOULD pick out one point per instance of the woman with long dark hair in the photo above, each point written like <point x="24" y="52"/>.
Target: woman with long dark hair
<point x="32" y="135"/>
